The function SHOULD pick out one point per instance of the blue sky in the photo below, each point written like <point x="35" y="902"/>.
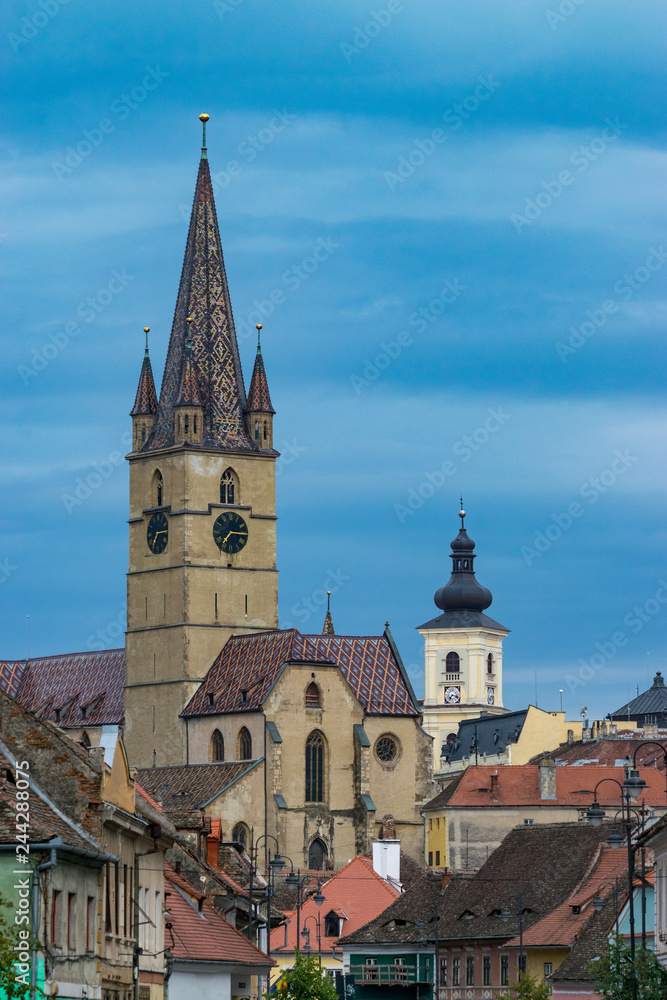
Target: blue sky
<point x="488" y="319"/>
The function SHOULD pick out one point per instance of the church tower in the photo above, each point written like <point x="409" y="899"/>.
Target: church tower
<point x="202" y="524"/>
<point x="463" y="651"/>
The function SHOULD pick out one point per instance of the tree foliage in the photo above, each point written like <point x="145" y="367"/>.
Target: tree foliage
<point x="306" y="981"/>
<point x="526" y="987"/>
<point x="613" y="973"/>
<point x="9" y="939"/>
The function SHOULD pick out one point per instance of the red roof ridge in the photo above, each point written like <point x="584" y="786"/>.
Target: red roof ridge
<point x="142" y="791"/>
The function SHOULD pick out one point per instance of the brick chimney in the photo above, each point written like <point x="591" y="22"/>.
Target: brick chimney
<point x="445" y="878"/>
<point x="495" y="787"/>
<point x="546" y="779"/>
<point x="388" y="827"/>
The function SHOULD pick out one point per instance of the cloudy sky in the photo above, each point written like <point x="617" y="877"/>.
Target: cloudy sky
<point x="485" y="184"/>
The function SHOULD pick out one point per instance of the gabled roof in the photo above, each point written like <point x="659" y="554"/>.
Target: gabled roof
<point x="191" y="786"/>
<point x="252" y="664"/>
<point x="203" y="294"/>
<point x="607" y="752"/>
<point x="544" y="863"/>
<point x="259" y="398"/>
<point x="69" y="683"/>
<point x="519" y="786"/>
<point x="199" y="933"/>
<point x="356" y="891"/>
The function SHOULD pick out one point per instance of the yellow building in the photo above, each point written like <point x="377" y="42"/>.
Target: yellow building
<point x="463" y="651"/>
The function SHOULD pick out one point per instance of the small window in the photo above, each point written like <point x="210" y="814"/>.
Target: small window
<point x="453" y="663"/>
<point x="443" y="971"/>
<point x="312" y="696"/>
<point x="257" y="430"/>
<point x="158" y="488"/>
<point x="548" y="969"/>
<point x="71" y="920"/>
<point x="489" y="663"/>
<point x="240" y="834"/>
<point x="229" y="492"/>
<point x="265" y="431"/>
<point x="143" y="433"/>
<point x="470" y="971"/>
<point x="430" y="859"/>
<point x="315" y="767"/>
<point x="217" y="746"/>
<point x="186" y="424"/>
<point x="437" y="858"/>
<point x="85" y="739"/>
<point x="55" y="917"/>
<point x="245" y="745"/>
<point x="486" y="970"/>
<point x="317" y="856"/>
<point x="194" y="425"/>
<point x="456" y="971"/>
<point x="504" y="970"/>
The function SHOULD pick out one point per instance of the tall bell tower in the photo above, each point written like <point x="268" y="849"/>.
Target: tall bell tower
<point x="202" y="524"/>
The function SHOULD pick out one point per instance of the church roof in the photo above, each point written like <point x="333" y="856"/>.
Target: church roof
<point x="259" y="398"/>
<point x="191" y="786"/>
<point x="248" y="667"/>
<point x="651" y="702"/>
<point x="145" y="403"/>
<point x="73" y="690"/>
<point x="203" y="294"/>
<point x="188" y="392"/>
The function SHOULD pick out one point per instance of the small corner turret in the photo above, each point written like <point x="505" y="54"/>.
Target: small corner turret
<point x="259" y="410"/>
<point x="189" y="408"/>
<point x="145" y="403"/>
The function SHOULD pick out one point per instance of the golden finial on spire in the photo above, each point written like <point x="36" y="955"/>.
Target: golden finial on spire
<point x="147" y="330"/>
<point x="188" y="339"/>
<point x="258" y="327"/>
<point x="203" y="119"/>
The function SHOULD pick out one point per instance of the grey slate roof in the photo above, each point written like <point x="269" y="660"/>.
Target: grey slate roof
<point x="651" y="702"/>
<point x="494" y="733"/>
<point x="463" y="619"/>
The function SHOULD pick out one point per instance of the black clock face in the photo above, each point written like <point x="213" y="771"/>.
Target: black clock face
<point x="157" y="533"/>
<point x="230" y="532"/>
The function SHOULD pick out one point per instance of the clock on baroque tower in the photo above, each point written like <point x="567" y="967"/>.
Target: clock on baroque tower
<point x="202" y="524"/>
<point x="463" y="651"/>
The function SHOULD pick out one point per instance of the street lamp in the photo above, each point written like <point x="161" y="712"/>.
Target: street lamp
<point x="305" y="934"/>
<point x="295" y="878"/>
<point x="598" y="902"/>
<point x="505" y="915"/>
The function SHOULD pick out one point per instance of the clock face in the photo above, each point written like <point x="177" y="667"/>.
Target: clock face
<point x="452" y="696"/>
<point x="490" y="696"/>
<point x="157" y="533"/>
<point x="230" y="532"/>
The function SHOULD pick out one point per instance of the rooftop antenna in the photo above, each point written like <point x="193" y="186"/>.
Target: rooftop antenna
<point x="28" y="636"/>
<point x="536" y="689"/>
<point x="560" y="691"/>
<point x="462" y="513"/>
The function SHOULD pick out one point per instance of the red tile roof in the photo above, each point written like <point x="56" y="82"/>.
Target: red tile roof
<point x="607" y="750"/>
<point x="518" y="786"/>
<point x="356" y="890"/>
<point x="253" y="663"/>
<point x="72" y="682"/>
<point x="199" y="933"/>
<point x="191" y="786"/>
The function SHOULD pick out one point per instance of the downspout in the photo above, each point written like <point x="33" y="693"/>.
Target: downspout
<point x="135" y="913"/>
<point x="35" y="920"/>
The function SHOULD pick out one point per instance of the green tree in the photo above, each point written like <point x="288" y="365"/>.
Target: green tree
<point x="305" y="981"/>
<point x="10" y="989"/>
<point x="526" y="987"/>
<point x="613" y="973"/>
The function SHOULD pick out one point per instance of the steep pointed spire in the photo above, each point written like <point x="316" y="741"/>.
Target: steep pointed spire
<point x="145" y="402"/>
<point x="328" y="627"/>
<point x="259" y="399"/>
<point x="188" y="393"/>
<point x="203" y="294"/>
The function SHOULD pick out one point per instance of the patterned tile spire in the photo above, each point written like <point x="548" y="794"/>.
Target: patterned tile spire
<point x="145" y="402"/>
<point x="203" y="294"/>
<point x="259" y="400"/>
<point x="328" y="627"/>
<point x="188" y="393"/>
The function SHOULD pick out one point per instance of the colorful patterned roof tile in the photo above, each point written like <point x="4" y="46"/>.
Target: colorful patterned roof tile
<point x="203" y="294"/>
<point x="191" y="786"/>
<point x="73" y="690"/>
<point x="188" y="393"/>
<point x="259" y="399"/>
<point x="145" y="403"/>
<point x="248" y="667"/>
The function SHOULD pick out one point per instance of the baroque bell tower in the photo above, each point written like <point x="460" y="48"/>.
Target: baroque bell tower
<point x="202" y="524"/>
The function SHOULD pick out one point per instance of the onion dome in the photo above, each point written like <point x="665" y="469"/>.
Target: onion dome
<point x="463" y="592"/>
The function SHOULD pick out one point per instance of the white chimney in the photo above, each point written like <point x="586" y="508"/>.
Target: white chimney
<point x="387" y="860"/>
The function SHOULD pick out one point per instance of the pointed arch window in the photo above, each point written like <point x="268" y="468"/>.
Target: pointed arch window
<point x="217" y="746"/>
<point x="143" y="433"/>
<point x="85" y="739"/>
<point x="315" y="767"/>
<point x="229" y="487"/>
<point x="317" y="857"/>
<point x="257" y="430"/>
<point x="158" y="489"/>
<point x="313" y="696"/>
<point x="453" y="663"/>
<point x="241" y="834"/>
<point x="245" y="745"/>
<point x="265" y="431"/>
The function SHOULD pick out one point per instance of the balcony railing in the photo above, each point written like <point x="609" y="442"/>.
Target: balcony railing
<point x="389" y="974"/>
<point x="455" y="678"/>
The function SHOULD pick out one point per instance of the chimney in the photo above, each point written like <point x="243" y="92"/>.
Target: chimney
<point x="546" y="779"/>
<point x="495" y="787"/>
<point x="388" y="827"/>
<point x="650" y="731"/>
<point x="445" y="878"/>
<point x="570" y="736"/>
<point x="387" y="852"/>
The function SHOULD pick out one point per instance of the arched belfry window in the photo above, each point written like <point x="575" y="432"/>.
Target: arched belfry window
<point x="245" y="745"/>
<point x="257" y="430"/>
<point x="489" y="663"/>
<point x="317" y="857"/>
<point x="453" y="663"/>
<point x="229" y="487"/>
<point x="158" y="488"/>
<point x="143" y="433"/>
<point x="217" y="746"/>
<point x="315" y="767"/>
<point x="312" y="696"/>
